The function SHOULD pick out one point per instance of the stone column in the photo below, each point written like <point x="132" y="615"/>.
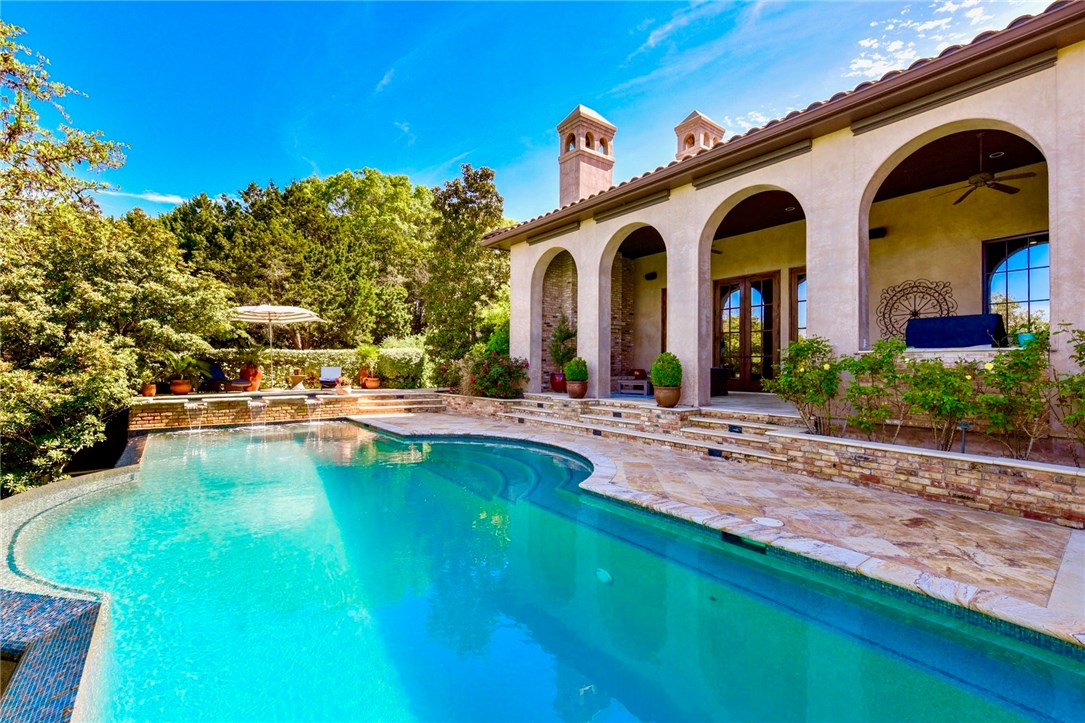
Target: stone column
<point x="525" y="337"/>
<point x="837" y="256"/>
<point x="1066" y="199"/>
<point x="689" y="310"/>
<point x="593" y="312"/>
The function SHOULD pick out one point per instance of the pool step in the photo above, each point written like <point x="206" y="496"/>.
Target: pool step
<point x="712" y="449"/>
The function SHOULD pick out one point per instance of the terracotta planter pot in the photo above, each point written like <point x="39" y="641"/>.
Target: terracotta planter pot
<point x="181" y="386"/>
<point x="149" y="389"/>
<point x="248" y="371"/>
<point x="363" y="374"/>
<point x="557" y="382"/>
<point x="668" y="396"/>
<point x="577" y="390"/>
<point x="372" y="383"/>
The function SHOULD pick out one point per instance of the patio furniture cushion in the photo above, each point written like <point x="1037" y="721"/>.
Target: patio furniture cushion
<point x="954" y="332"/>
<point x="328" y="376"/>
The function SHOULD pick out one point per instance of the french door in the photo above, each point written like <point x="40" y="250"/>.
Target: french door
<point x="747" y="329"/>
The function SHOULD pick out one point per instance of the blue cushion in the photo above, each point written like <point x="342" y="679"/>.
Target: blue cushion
<point x="943" y="332"/>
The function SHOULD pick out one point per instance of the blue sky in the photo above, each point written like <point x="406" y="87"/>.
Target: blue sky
<point x="210" y="96"/>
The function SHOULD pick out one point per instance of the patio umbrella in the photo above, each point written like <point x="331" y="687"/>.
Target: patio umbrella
<point x="273" y="316"/>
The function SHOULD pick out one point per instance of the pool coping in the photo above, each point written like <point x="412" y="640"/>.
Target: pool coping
<point x="1068" y="631"/>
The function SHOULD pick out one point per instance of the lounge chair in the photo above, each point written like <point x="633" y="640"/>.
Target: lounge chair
<point x="246" y="385"/>
<point x="329" y="375"/>
<point x="217" y="381"/>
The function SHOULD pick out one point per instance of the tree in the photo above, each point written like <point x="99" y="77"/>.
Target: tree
<point x="463" y="276"/>
<point x="37" y="165"/>
<point x="86" y="302"/>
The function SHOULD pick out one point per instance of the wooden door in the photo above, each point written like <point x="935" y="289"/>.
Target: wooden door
<point x="747" y="329"/>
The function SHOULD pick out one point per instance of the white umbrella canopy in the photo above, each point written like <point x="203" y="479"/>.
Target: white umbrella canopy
<point x="273" y="316"/>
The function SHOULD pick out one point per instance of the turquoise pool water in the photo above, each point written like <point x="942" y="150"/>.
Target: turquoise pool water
<point x="321" y="572"/>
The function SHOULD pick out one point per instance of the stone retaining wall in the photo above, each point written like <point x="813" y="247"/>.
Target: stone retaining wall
<point x="477" y="406"/>
<point x="171" y="413"/>
<point x="1048" y="492"/>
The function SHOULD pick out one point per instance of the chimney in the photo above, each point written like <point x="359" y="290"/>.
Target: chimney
<point x="695" y="133"/>
<point x="586" y="160"/>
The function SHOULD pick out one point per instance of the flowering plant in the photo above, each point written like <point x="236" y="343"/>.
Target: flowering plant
<point x="498" y="376"/>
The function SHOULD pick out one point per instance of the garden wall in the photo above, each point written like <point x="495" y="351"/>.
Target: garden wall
<point x="1052" y="493"/>
<point x="172" y="413"/>
<point x="477" y="406"/>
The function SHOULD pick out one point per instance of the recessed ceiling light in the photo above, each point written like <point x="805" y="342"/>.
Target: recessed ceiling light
<point x="997" y="154"/>
<point x="790" y="208"/>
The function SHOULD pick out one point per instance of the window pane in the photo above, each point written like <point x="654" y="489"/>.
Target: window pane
<point x="1018" y="260"/>
<point x="802" y="316"/>
<point x="1017" y="285"/>
<point x="1039" y="254"/>
<point x="1039" y="284"/>
<point x="1039" y="313"/>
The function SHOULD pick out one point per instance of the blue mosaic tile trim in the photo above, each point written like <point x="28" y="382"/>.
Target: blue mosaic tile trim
<point x="943" y="607"/>
<point x="50" y="636"/>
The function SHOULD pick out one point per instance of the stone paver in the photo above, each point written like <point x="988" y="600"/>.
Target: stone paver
<point x="982" y="560"/>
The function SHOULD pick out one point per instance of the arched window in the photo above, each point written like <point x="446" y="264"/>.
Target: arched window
<point x="589" y="141"/>
<point x="1018" y="282"/>
<point x="603" y="146"/>
<point x="706" y="143"/>
<point x="570" y="143"/>
<point x="690" y="141"/>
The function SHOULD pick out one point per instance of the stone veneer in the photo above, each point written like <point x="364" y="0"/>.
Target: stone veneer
<point x="622" y="289"/>
<point x="225" y="410"/>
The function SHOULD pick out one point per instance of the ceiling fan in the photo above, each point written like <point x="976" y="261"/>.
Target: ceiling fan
<point x="984" y="179"/>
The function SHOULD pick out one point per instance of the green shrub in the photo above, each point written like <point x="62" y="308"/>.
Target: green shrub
<point x="946" y="395"/>
<point x="562" y="346"/>
<point x="809" y="377"/>
<point x="666" y="371"/>
<point x="402" y="368"/>
<point x="498" y="376"/>
<point x="366" y="357"/>
<point x="576" y="370"/>
<point x="499" y="340"/>
<point x="1070" y="392"/>
<point x="876" y="394"/>
<point x="1019" y="392"/>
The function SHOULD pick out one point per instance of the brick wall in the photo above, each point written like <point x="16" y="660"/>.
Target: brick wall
<point x="621" y="318"/>
<point x="558" y="295"/>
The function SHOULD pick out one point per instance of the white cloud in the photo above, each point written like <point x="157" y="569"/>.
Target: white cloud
<point x="868" y="43"/>
<point x="743" y="123"/>
<point x="698" y="10"/>
<point x="977" y="15"/>
<point x="385" y="80"/>
<point x="405" y="132"/>
<point x="149" y="196"/>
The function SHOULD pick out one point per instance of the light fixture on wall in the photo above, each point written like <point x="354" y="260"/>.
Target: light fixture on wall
<point x="789" y="208"/>
<point x="996" y="154"/>
<point x="651" y="276"/>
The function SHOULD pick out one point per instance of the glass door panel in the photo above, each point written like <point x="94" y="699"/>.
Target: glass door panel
<point x="746" y="329"/>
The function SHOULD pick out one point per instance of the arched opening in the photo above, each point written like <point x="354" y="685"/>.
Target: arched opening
<point x="689" y="142"/>
<point x="570" y="142"/>
<point x="589" y="141"/>
<point x="559" y="289"/>
<point x="959" y="227"/>
<point x="706" y="144"/>
<point x="603" y="146"/>
<point x="758" y="271"/>
<point x="638" y="308"/>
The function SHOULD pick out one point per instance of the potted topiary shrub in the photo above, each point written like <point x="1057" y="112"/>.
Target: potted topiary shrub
<point x="367" y="363"/>
<point x="576" y="377"/>
<point x="183" y="370"/>
<point x="667" y="379"/>
<point x="562" y="349"/>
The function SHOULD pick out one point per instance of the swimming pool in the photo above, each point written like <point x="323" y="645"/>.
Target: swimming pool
<point x="324" y="572"/>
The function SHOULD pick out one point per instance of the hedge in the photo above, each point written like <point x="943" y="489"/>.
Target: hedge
<point x="403" y="368"/>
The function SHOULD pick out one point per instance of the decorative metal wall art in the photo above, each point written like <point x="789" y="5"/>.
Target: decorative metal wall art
<point x="912" y="300"/>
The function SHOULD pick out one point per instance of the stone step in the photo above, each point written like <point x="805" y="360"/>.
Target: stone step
<point x="542" y="411"/>
<point x="407" y="406"/>
<point x="609" y="419"/>
<point x="738" y="426"/>
<point x="710" y="448"/>
<point x="755" y="441"/>
<point x="738" y="416"/>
